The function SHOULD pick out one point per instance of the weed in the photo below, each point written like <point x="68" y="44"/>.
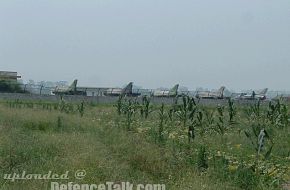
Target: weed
<point x="162" y="118"/>
<point x="221" y="125"/>
<point x="202" y="159"/>
<point x="145" y="109"/>
<point x="119" y="104"/>
<point x="129" y="109"/>
<point x="59" y="123"/>
<point x="81" y="108"/>
<point x="232" y="111"/>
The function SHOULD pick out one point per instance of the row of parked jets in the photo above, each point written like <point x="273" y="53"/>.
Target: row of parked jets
<point x="173" y="92"/>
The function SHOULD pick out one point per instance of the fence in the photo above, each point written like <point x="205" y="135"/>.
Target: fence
<point x="89" y="91"/>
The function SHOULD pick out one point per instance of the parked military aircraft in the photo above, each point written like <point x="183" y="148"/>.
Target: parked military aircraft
<point x="71" y="90"/>
<point x="166" y="93"/>
<point x="211" y="95"/>
<point x="127" y="91"/>
<point x="253" y="96"/>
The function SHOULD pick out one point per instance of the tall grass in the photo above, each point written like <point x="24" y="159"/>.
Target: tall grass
<point x="35" y="138"/>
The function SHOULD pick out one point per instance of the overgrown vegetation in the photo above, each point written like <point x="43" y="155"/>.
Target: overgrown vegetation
<point x="184" y="145"/>
<point x="262" y="126"/>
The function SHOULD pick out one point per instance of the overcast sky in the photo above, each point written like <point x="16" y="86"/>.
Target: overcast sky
<point x="242" y="44"/>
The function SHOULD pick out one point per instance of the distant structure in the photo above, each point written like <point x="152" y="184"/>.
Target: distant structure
<point x="9" y="75"/>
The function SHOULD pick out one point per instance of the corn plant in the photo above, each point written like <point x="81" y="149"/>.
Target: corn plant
<point x="284" y="116"/>
<point x="277" y="114"/>
<point x="200" y="123"/>
<point x="81" y="108"/>
<point x="191" y="132"/>
<point x="258" y="141"/>
<point x="59" y="123"/>
<point x="170" y="114"/>
<point x="196" y="121"/>
<point x="119" y="104"/>
<point x="202" y="163"/>
<point x="69" y="108"/>
<point x="15" y="104"/>
<point x="255" y="111"/>
<point x="232" y="111"/>
<point x="162" y="118"/>
<point x="209" y="118"/>
<point x="221" y="124"/>
<point x="186" y="113"/>
<point x="129" y="108"/>
<point x="145" y="108"/>
<point x="62" y="104"/>
<point x="30" y="105"/>
<point x="186" y="110"/>
<point x="175" y="104"/>
<point x="271" y="113"/>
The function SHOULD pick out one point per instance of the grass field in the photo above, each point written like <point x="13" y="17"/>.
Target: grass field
<point x="184" y="146"/>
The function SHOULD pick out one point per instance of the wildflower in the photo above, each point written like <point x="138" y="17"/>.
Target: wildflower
<point x="233" y="168"/>
<point x="238" y="146"/>
<point x="139" y="130"/>
<point x="219" y="153"/>
<point x="172" y="135"/>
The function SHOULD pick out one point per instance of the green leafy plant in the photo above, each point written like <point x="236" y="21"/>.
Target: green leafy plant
<point x="199" y="122"/>
<point x="129" y="108"/>
<point x="232" y="111"/>
<point x="246" y="178"/>
<point x="186" y="113"/>
<point x="202" y="159"/>
<point x="145" y="109"/>
<point x="162" y="118"/>
<point x="278" y="114"/>
<point x="255" y="112"/>
<point x="119" y="104"/>
<point x="81" y="108"/>
<point x="221" y="124"/>
<point x="59" y="123"/>
<point x="186" y="110"/>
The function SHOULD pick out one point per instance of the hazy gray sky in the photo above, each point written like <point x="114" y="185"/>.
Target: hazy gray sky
<point x="198" y="43"/>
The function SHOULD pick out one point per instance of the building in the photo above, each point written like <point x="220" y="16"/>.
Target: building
<point x="8" y="75"/>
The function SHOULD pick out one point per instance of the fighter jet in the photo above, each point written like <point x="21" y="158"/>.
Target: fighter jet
<point x="211" y="95"/>
<point x="167" y="93"/>
<point x="253" y="96"/>
<point x="127" y="91"/>
<point x="71" y="90"/>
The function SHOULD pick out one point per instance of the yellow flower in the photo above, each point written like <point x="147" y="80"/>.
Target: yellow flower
<point x="172" y="135"/>
<point x="233" y="168"/>
<point x="238" y="146"/>
<point x="273" y="173"/>
<point x="141" y="130"/>
<point x="219" y="153"/>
